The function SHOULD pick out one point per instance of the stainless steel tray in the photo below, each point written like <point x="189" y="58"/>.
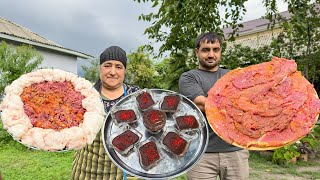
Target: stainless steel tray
<point x="169" y="166"/>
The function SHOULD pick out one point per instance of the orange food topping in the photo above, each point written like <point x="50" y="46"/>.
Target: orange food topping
<point x="53" y="105"/>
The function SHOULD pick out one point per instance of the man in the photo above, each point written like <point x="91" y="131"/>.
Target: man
<point x="220" y="159"/>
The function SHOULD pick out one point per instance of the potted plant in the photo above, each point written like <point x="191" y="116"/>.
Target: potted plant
<point x="309" y="145"/>
<point x="285" y="155"/>
<point x="304" y="150"/>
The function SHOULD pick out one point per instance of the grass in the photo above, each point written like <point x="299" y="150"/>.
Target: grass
<point x="19" y="162"/>
<point x="262" y="167"/>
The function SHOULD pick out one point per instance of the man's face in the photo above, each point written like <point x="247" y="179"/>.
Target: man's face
<point x="112" y="74"/>
<point x="209" y="55"/>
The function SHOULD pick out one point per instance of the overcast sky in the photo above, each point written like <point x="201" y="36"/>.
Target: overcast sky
<point x="89" y="26"/>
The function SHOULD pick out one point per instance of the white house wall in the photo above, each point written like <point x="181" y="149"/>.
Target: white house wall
<point x="58" y="61"/>
<point x="53" y="59"/>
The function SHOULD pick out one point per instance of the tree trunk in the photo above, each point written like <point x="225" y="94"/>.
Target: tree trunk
<point x="308" y="52"/>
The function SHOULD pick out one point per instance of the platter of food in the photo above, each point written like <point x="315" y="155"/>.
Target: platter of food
<point x="155" y="134"/>
<point x="264" y="106"/>
<point x="52" y="110"/>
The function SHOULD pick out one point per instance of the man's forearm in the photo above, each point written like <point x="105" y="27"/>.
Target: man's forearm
<point x="200" y="101"/>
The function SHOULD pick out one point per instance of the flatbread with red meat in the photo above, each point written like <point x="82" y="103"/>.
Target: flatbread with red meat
<point x="53" y="110"/>
<point x="263" y="106"/>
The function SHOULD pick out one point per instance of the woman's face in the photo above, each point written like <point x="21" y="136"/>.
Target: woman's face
<point x="112" y="74"/>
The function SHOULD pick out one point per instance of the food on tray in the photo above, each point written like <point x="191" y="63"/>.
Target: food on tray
<point x="149" y="155"/>
<point x="145" y="100"/>
<point x="187" y="122"/>
<point x="154" y="120"/>
<point x="263" y="106"/>
<point x="128" y="116"/>
<point x="175" y="143"/>
<point x="170" y="103"/>
<point x="52" y="110"/>
<point x="125" y="140"/>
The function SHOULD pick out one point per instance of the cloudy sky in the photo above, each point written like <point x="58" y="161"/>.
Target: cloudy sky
<point x="89" y="26"/>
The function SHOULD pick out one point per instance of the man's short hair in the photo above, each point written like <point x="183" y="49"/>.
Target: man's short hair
<point x="210" y="37"/>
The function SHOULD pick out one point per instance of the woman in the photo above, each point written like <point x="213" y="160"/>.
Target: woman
<point x="92" y="162"/>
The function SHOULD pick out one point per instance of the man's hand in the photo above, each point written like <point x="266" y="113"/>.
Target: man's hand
<point x="200" y="101"/>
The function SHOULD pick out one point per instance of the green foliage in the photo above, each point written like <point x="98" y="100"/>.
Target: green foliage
<point x="91" y="72"/>
<point x="140" y="70"/>
<point x="301" y="35"/>
<point x="308" y="144"/>
<point x="312" y="139"/>
<point x="242" y="56"/>
<point x="16" y="61"/>
<point x="178" y="64"/>
<point x="162" y="74"/>
<point x="285" y="154"/>
<point x="4" y="135"/>
<point x="310" y="64"/>
<point x="178" y="23"/>
<point x="170" y="69"/>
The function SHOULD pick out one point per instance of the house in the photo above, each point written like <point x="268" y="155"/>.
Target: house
<point x="255" y="33"/>
<point x="54" y="55"/>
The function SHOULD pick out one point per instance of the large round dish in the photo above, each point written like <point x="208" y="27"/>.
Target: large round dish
<point x="19" y="124"/>
<point x="168" y="167"/>
<point x="261" y="107"/>
<point x="36" y="148"/>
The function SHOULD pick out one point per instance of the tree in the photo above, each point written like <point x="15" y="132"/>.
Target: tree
<point x="178" y="23"/>
<point x="162" y="74"/>
<point x="174" y="66"/>
<point x="16" y="61"/>
<point x="91" y="72"/>
<point x="242" y="56"/>
<point x="140" y="70"/>
<point x="301" y="36"/>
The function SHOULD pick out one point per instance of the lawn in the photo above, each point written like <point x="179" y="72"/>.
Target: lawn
<point x="263" y="168"/>
<point x="18" y="162"/>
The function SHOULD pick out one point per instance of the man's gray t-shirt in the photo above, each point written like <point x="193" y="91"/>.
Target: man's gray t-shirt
<point x="196" y="83"/>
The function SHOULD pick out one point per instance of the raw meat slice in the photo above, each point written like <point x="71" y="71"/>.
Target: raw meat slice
<point x="264" y="106"/>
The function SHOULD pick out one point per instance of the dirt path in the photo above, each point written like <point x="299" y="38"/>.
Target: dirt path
<point x="258" y="175"/>
<point x="304" y="171"/>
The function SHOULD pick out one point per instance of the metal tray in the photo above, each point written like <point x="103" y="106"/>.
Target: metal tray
<point x="169" y="166"/>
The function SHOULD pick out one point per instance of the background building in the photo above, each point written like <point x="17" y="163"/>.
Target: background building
<point x="54" y="55"/>
<point x="255" y="33"/>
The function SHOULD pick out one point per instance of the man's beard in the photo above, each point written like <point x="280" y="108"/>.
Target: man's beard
<point x="208" y="66"/>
